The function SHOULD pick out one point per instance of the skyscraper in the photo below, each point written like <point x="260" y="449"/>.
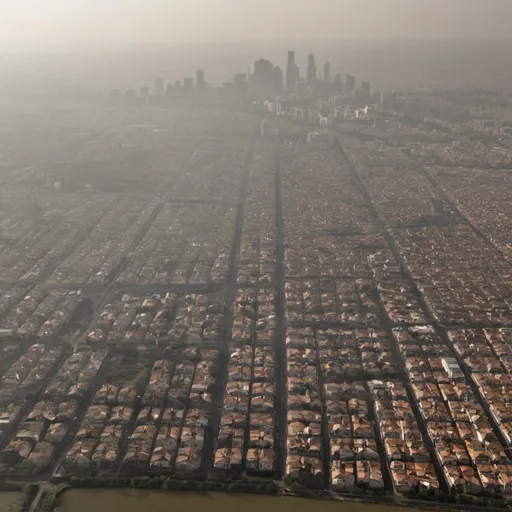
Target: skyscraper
<point x="292" y="72"/>
<point x="131" y="94"/>
<point x="278" y="80"/>
<point x="350" y="84"/>
<point x="240" y="86"/>
<point x="291" y="57"/>
<point x="338" y="84"/>
<point x="311" y="72"/>
<point x="327" y="72"/>
<point x="200" y="82"/>
<point x="188" y="86"/>
<point x="159" y="86"/>
<point x="366" y="91"/>
<point x="262" y="81"/>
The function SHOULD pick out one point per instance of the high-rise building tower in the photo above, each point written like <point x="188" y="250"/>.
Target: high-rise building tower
<point x="311" y="72"/>
<point x="327" y="72"/>
<point x="291" y="57"/>
<point x="131" y="94"/>
<point x="200" y="83"/>
<point x="262" y="81"/>
<point x="278" y="80"/>
<point x="339" y="84"/>
<point x="159" y="86"/>
<point x="240" y="86"/>
<point x="350" y="84"/>
<point x="188" y="86"/>
<point x="292" y="72"/>
<point x="366" y="91"/>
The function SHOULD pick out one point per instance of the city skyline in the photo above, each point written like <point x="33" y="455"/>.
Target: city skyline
<point x="263" y="79"/>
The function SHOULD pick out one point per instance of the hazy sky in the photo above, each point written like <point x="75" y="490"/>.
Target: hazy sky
<point x="98" y="22"/>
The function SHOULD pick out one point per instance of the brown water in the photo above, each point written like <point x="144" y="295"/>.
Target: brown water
<point x="10" y="501"/>
<point x="131" y="500"/>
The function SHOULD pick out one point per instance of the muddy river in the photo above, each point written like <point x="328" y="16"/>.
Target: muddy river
<point x="131" y="500"/>
<point x="10" y="501"/>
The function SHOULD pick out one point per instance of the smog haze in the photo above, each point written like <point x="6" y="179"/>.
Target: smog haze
<point x="32" y="24"/>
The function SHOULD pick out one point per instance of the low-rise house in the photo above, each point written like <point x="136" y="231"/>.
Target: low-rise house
<point x="228" y="458"/>
<point x="80" y="454"/>
<point x="485" y="453"/>
<point x="105" y="455"/>
<point x="56" y="433"/>
<point x="304" y="468"/>
<point x="192" y="436"/>
<point x="362" y="428"/>
<point x="236" y="404"/>
<point x="304" y="416"/>
<point x="434" y="411"/>
<point x="230" y="437"/>
<point x="16" y="451"/>
<point x="260" y="402"/>
<point x="148" y="414"/>
<point x="463" y="478"/>
<point x="340" y="426"/>
<point x="397" y="449"/>
<point x="411" y="475"/>
<point x="261" y="438"/>
<point x="342" y="449"/>
<point x="31" y="431"/>
<point x="260" y="460"/>
<point x="120" y="414"/>
<point x="407" y="430"/>
<point x="466" y="411"/>
<point x="450" y="453"/>
<point x="505" y="477"/>
<point x="342" y="476"/>
<point x="441" y="431"/>
<point x="369" y="475"/>
<point x="9" y="415"/>
<point x="39" y="457"/>
<point x="165" y="447"/>
<point x="137" y="457"/>
<point x="366" y="449"/>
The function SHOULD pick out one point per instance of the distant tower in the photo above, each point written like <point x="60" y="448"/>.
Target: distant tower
<point x="200" y="87"/>
<point x="131" y="94"/>
<point x="262" y="81"/>
<point x="350" y="84"/>
<point x="200" y="83"/>
<point x="240" y="86"/>
<point x="292" y="72"/>
<point x="278" y="80"/>
<point x="366" y="91"/>
<point x="311" y="72"/>
<point x="188" y="85"/>
<point x="327" y="72"/>
<point x="159" y="86"/>
<point x="339" y="83"/>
